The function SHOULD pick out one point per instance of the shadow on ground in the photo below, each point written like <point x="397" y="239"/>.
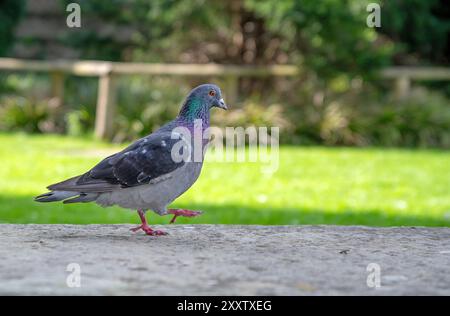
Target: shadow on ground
<point x="22" y="209"/>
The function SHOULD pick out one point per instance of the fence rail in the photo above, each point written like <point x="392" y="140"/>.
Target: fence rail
<point x="107" y="72"/>
<point x="99" y="68"/>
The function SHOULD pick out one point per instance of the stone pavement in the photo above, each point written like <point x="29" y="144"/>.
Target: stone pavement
<point x="224" y="260"/>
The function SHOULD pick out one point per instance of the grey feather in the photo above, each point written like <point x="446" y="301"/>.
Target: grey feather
<point x="83" y="198"/>
<point x="54" y="196"/>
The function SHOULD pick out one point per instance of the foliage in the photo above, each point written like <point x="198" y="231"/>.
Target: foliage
<point x="330" y="37"/>
<point x="326" y="36"/>
<point x="19" y="113"/>
<point x="420" y="27"/>
<point x="342" y="113"/>
<point x="10" y="13"/>
<point x="333" y="102"/>
<point x="365" y="117"/>
<point x="158" y="28"/>
<point x="253" y="114"/>
<point x="421" y="120"/>
<point x="145" y="104"/>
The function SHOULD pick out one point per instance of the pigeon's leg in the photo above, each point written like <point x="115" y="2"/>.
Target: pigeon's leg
<point x="145" y="226"/>
<point x="182" y="212"/>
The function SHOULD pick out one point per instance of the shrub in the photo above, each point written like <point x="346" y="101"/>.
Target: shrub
<point x="422" y="119"/>
<point x="345" y="113"/>
<point x="19" y="113"/>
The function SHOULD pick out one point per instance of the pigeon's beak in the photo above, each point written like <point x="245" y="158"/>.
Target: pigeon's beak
<point x="222" y="104"/>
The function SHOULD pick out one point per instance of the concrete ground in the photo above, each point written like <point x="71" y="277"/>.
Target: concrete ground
<point x="224" y="260"/>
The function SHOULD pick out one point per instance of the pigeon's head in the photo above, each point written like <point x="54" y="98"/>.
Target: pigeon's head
<point x="209" y="96"/>
<point x="201" y="99"/>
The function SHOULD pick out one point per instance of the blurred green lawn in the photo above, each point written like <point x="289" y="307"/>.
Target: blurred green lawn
<point x="314" y="185"/>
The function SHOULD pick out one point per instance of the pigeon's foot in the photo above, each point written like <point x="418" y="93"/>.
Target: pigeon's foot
<point x="182" y="212"/>
<point x="136" y="228"/>
<point x="145" y="226"/>
<point x="149" y="231"/>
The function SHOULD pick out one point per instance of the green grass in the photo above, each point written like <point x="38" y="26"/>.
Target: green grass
<point x="314" y="185"/>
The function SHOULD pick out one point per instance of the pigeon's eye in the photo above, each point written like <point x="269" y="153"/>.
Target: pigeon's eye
<point x="212" y="93"/>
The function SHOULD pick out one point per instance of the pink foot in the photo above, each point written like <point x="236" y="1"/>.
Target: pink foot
<point x="149" y="231"/>
<point x="135" y="229"/>
<point x="152" y="232"/>
<point x="146" y="228"/>
<point x="182" y="212"/>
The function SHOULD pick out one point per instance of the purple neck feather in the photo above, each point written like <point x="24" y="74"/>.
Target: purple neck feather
<point x="194" y="109"/>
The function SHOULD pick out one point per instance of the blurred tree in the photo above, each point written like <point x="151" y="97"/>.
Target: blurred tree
<point x="422" y="27"/>
<point x="329" y="39"/>
<point x="162" y="29"/>
<point x="10" y="13"/>
<point x="329" y="36"/>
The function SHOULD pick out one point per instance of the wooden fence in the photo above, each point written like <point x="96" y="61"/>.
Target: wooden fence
<point x="108" y="71"/>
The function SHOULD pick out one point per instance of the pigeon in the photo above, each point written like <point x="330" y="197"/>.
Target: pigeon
<point x="148" y="174"/>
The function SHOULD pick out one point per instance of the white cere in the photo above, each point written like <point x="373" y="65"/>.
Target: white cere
<point x="163" y="143"/>
<point x="144" y="151"/>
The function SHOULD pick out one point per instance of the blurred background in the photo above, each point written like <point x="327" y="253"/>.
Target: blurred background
<point x="364" y="112"/>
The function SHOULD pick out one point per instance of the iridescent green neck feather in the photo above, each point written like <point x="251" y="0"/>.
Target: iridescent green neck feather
<point x="193" y="109"/>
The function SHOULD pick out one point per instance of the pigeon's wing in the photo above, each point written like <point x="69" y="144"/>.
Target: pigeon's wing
<point x="146" y="161"/>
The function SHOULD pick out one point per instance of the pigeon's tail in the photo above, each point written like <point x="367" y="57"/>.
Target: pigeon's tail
<point x="54" y="196"/>
<point x="83" y="198"/>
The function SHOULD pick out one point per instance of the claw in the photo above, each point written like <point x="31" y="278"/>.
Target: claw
<point x="135" y="229"/>
<point x="182" y="212"/>
<point x="152" y="232"/>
